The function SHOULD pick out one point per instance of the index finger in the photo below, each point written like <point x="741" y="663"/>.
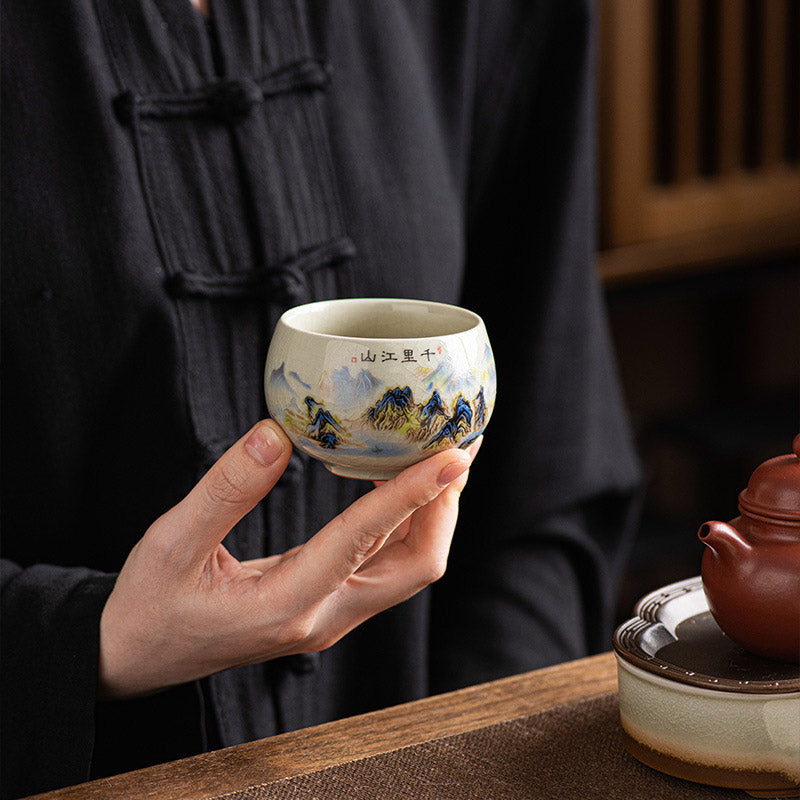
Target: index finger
<point x="340" y="548"/>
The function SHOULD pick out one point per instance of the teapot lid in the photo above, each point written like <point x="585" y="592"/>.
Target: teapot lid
<point x="774" y="488"/>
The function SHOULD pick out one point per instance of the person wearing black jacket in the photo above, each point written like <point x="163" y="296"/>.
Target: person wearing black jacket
<point x="170" y="185"/>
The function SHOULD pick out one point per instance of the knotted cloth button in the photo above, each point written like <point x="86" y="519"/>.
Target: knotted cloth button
<point x="124" y="107"/>
<point x="233" y="99"/>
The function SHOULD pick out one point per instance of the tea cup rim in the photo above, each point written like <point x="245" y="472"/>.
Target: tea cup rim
<point x="287" y="318"/>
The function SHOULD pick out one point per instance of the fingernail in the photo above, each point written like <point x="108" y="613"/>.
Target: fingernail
<point x="264" y="445"/>
<point x="451" y="472"/>
<point x="474" y="447"/>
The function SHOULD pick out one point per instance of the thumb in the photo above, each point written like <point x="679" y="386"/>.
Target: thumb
<point x="233" y="486"/>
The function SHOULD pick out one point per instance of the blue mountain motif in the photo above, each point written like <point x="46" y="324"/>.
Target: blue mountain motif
<point x="489" y="360"/>
<point x="323" y="426"/>
<point x="342" y="375"/>
<point x="291" y="384"/>
<point x="366" y="383"/>
<point x="443" y="376"/>
<point x="392" y="409"/>
<point x="355" y="390"/>
<point x="294" y="375"/>
<point x="480" y="409"/>
<point x="462" y="415"/>
<point x="455" y="427"/>
<point x="278" y="379"/>
<point x="432" y="409"/>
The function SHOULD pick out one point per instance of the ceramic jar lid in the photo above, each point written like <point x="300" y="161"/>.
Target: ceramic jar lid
<point x="674" y="637"/>
<point x="774" y="488"/>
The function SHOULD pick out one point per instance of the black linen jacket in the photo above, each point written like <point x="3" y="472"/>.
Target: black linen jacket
<point x="169" y="187"/>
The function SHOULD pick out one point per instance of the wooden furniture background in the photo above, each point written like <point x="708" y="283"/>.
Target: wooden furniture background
<point x="699" y="113"/>
<point x="699" y="144"/>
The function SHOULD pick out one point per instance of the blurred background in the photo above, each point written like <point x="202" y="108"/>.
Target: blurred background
<point x="699" y="120"/>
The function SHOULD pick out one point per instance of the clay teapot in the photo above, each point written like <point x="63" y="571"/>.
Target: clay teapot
<point x="751" y="565"/>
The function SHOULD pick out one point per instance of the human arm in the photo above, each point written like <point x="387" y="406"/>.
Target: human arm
<point x="183" y="607"/>
<point x="49" y="640"/>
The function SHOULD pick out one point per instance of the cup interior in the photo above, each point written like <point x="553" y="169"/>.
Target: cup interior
<point x="360" y="318"/>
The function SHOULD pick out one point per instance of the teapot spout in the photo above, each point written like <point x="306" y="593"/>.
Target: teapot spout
<point x="722" y="538"/>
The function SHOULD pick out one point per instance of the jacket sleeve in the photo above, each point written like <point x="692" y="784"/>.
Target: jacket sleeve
<point x="49" y="655"/>
<point x="545" y="521"/>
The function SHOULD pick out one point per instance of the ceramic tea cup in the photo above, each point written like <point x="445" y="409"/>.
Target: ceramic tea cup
<point x="371" y="386"/>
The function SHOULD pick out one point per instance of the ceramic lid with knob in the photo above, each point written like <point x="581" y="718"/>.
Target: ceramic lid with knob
<point x="774" y="488"/>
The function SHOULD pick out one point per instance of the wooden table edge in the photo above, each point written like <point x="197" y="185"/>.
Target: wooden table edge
<point x="233" y="769"/>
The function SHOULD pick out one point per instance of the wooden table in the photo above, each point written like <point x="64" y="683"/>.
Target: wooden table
<point x="551" y="733"/>
<point x="234" y="769"/>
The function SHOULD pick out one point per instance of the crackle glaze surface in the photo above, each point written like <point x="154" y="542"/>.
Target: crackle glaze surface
<point x="369" y="407"/>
